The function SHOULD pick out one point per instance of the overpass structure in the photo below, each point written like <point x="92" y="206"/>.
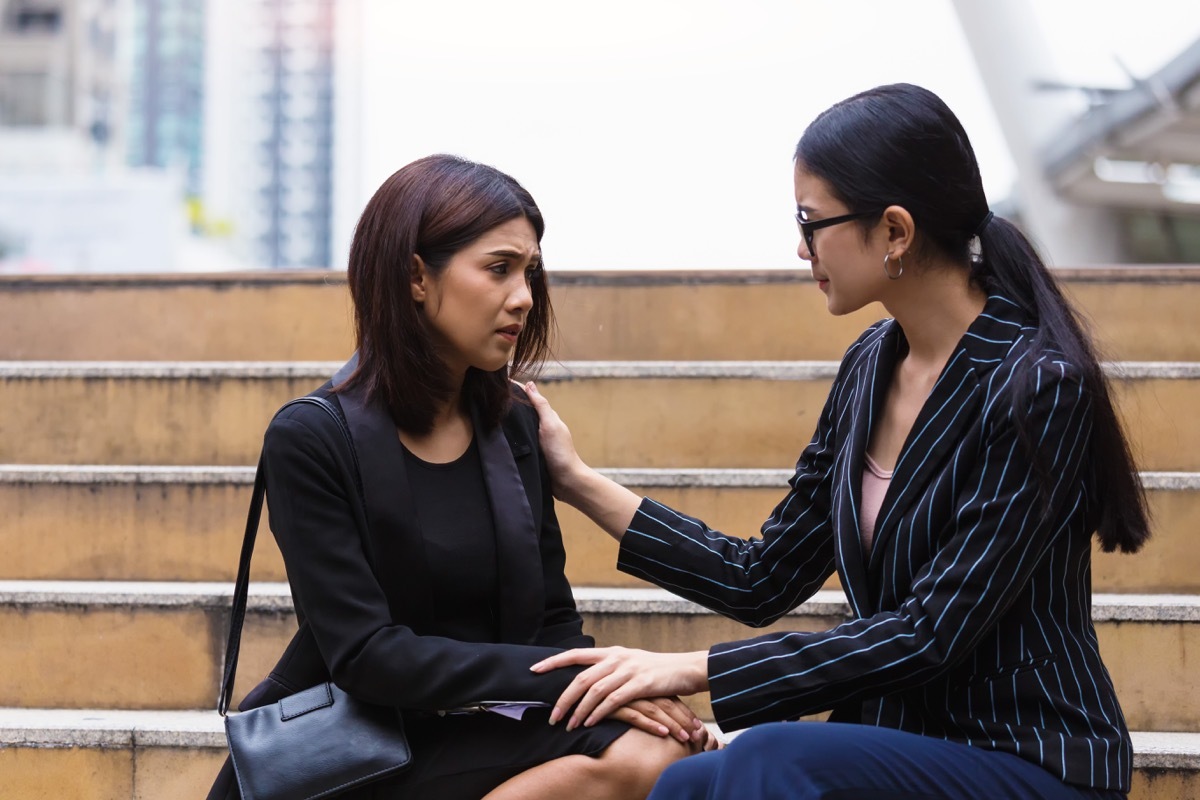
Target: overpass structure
<point x="1119" y="183"/>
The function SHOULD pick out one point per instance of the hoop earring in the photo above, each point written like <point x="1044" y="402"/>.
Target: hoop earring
<point x="886" y="271"/>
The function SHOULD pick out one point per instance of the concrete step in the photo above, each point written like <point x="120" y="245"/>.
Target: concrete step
<point x="48" y="754"/>
<point x="129" y="523"/>
<point x="94" y="754"/>
<point x="144" y="413"/>
<point x="775" y="314"/>
<point x="1166" y="766"/>
<point x="131" y="645"/>
<point x="643" y="414"/>
<point x="186" y="523"/>
<point x="158" y="645"/>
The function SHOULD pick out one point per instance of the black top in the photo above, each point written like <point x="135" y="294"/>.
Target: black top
<point x="455" y="517"/>
<point x="362" y="585"/>
<point x="366" y="594"/>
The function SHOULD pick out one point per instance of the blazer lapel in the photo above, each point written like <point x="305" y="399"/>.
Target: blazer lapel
<point x="518" y="555"/>
<point x="951" y="408"/>
<point x="870" y="389"/>
<point x="394" y="536"/>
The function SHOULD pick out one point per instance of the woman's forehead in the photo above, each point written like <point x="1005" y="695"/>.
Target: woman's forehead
<point x="812" y="191"/>
<point x="515" y="235"/>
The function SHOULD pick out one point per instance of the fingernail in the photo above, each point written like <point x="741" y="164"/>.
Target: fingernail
<point x="683" y="736"/>
<point x="571" y="725"/>
<point x="555" y="716"/>
<point x="662" y="730"/>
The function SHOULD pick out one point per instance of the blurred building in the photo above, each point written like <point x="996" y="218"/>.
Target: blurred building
<point x="66" y="202"/>
<point x="269" y="148"/>
<point x="292" y="86"/>
<point x="165" y="77"/>
<point x="58" y="67"/>
<point x="238" y="96"/>
<point x="122" y="121"/>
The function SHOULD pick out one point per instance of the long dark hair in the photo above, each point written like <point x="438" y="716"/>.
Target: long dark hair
<point x="433" y="207"/>
<point x="901" y="145"/>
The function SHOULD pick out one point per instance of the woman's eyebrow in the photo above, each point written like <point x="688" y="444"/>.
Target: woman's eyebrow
<point x="517" y="254"/>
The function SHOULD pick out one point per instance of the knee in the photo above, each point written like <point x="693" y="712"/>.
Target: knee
<point x="632" y="763"/>
<point x="759" y="737"/>
<point x="689" y="779"/>
<point x="803" y="757"/>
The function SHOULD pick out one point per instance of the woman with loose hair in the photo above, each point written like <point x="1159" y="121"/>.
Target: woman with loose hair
<point x="967" y="452"/>
<point x="425" y="560"/>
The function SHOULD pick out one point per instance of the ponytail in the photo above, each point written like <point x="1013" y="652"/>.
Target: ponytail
<point x="1009" y="266"/>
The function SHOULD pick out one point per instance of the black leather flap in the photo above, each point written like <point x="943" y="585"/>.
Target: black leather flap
<point x="303" y="702"/>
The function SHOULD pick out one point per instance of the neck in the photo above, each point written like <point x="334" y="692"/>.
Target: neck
<point x="450" y="434"/>
<point x="935" y="309"/>
<point x="450" y="411"/>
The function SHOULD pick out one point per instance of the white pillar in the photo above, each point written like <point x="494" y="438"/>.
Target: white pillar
<point x="1011" y="53"/>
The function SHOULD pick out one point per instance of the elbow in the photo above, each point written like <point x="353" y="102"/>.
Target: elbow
<point x="354" y="672"/>
<point x="928" y="652"/>
<point x="762" y="620"/>
<point x="939" y="653"/>
<point x="350" y="679"/>
<point x="761" y="617"/>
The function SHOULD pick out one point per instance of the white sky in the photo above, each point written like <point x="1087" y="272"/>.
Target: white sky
<point x="657" y="134"/>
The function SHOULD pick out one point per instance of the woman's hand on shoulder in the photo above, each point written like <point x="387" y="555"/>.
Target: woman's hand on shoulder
<point x="554" y="436"/>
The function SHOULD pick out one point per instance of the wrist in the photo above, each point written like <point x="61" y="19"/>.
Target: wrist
<point x="699" y="670"/>
<point x="572" y="486"/>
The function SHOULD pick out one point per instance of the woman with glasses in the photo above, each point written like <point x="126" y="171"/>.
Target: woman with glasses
<point x="967" y="452"/>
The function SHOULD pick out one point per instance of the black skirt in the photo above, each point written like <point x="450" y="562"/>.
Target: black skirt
<point x="464" y="757"/>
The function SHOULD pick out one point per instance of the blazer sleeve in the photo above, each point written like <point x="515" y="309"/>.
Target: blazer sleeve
<point x="754" y="580"/>
<point x="367" y="654"/>
<point x="1002" y="525"/>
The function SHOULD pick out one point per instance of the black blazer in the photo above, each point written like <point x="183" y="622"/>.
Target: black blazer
<point x="360" y="584"/>
<point x="972" y="613"/>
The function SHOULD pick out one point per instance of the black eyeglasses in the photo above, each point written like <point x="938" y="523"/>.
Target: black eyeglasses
<point x="807" y="228"/>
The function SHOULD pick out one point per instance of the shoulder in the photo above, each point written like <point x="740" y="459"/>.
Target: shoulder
<point x="1035" y="381"/>
<point x="1042" y="366"/>
<point x="871" y="336"/>
<point x="300" y="419"/>
<point x="866" y="346"/>
<point x="520" y="422"/>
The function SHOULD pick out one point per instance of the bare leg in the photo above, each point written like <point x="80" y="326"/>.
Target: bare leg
<point x="627" y="769"/>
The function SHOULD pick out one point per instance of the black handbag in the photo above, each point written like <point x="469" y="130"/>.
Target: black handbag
<point x="316" y="743"/>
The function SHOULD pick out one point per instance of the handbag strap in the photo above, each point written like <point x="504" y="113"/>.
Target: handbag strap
<point x="241" y="588"/>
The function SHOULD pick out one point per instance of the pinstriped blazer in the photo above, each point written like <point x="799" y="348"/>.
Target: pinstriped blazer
<point x="972" y="610"/>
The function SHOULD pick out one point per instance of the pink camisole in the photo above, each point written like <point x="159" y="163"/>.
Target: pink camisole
<point x="875" y="484"/>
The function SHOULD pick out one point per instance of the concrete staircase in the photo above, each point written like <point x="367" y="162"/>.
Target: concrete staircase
<point x="134" y="405"/>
